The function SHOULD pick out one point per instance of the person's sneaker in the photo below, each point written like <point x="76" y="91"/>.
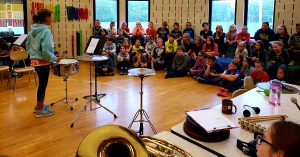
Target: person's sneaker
<point x="35" y="107"/>
<point x="195" y="78"/>
<point x="166" y="76"/>
<point x="292" y="62"/>
<point x="122" y="72"/>
<point x="110" y="74"/>
<point x="125" y="71"/>
<point x="220" y="91"/>
<point x="223" y="92"/>
<point x="44" y="112"/>
<point x="200" y="79"/>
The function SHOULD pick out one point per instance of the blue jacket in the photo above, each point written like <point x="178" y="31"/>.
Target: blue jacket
<point x="40" y="44"/>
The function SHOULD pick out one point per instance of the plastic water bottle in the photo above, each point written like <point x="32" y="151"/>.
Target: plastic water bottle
<point x="275" y="92"/>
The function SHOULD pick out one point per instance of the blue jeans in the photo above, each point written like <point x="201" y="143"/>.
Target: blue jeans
<point x="211" y="80"/>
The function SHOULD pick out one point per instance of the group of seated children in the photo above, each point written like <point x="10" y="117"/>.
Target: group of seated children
<point x="198" y="57"/>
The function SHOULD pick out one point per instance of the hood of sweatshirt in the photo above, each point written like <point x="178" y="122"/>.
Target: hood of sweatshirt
<point x="37" y="28"/>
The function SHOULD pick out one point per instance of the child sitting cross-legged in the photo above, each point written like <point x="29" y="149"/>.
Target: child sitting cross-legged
<point x="231" y="80"/>
<point x="199" y="66"/>
<point x="241" y="49"/>
<point x="105" y="68"/>
<point x="212" y="72"/>
<point x="210" y="47"/>
<point x="149" y="48"/>
<point x="139" y="60"/>
<point x="110" y="48"/>
<point x="247" y="67"/>
<point x="137" y="46"/>
<point x="239" y="59"/>
<point x="278" y="56"/>
<point x="123" y="60"/>
<point x="259" y="75"/>
<point x="171" y="48"/>
<point x="282" y="74"/>
<point x="181" y="64"/>
<point x="259" y="53"/>
<point x="158" y="56"/>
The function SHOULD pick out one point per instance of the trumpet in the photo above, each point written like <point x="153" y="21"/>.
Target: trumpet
<point x="113" y="140"/>
<point x="250" y="123"/>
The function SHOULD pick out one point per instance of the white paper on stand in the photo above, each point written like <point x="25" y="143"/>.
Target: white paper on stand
<point x="211" y="120"/>
<point x="92" y="46"/>
<point x="20" y="40"/>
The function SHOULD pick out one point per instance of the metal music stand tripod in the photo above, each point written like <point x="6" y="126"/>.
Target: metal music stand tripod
<point x="67" y="98"/>
<point x="141" y="113"/>
<point x="65" y="78"/>
<point x="96" y="95"/>
<point x="91" y="99"/>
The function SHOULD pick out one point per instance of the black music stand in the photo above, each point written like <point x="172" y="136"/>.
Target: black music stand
<point x="141" y="73"/>
<point x="91" y="59"/>
<point x="91" y="49"/>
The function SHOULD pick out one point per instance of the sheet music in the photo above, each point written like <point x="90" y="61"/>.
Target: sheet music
<point x="21" y="39"/>
<point x="92" y="46"/>
<point x="211" y="120"/>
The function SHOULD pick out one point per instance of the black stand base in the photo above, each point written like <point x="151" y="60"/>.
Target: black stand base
<point x="97" y="97"/>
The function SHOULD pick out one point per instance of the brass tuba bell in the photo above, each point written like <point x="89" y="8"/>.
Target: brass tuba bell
<point x="118" y="141"/>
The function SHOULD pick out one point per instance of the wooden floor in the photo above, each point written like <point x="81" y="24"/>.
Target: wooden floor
<point x="165" y="100"/>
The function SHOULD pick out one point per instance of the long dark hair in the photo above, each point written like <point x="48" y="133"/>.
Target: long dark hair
<point x="212" y="42"/>
<point x="285" y="137"/>
<point x="250" y="61"/>
<point x="261" y="43"/>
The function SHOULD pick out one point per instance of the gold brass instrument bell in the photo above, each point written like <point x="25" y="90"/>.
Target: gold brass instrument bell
<point x="116" y="141"/>
<point x="250" y="123"/>
<point x="17" y="48"/>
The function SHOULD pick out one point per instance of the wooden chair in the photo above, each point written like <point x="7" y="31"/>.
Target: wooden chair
<point x="21" y="56"/>
<point x="5" y="68"/>
<point x="248" y="85"/>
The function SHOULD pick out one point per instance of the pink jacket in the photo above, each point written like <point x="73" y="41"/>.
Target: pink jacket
<point x="135" y="32"/>
<point x="204" y="48"/>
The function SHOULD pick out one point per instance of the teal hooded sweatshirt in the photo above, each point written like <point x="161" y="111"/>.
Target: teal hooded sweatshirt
<point x="40" y="44"/>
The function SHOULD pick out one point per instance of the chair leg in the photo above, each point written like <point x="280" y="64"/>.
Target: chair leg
<point x="35" y="78"/>
<point x="16" y="81"/>
<point x="1" y="78"/>
<point x="29" y="76"/>
<point x="8" y="79"/>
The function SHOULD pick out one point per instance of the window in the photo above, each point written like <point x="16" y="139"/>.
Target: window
<point x="259" y="11"/>
<point x="12" y="17"/>
<point x="106" y="12"/>
<point x="222" y="12"/>
<point x="138" y="11"/>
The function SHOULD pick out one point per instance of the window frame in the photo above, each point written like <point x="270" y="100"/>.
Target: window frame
<point x="137" y="0"/>
<point x="246" y="13"/>
<point x="118" y="12"/>
<point x="24" y="2"/>
<point x="210" y="11"/>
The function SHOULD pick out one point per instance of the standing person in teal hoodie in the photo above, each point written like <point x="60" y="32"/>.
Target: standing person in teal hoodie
<point x="40" y="46"/>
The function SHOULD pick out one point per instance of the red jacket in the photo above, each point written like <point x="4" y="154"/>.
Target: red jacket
<point x="243" y="37"/>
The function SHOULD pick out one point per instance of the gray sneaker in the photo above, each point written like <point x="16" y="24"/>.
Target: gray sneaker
<point x="44" y="113"/>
